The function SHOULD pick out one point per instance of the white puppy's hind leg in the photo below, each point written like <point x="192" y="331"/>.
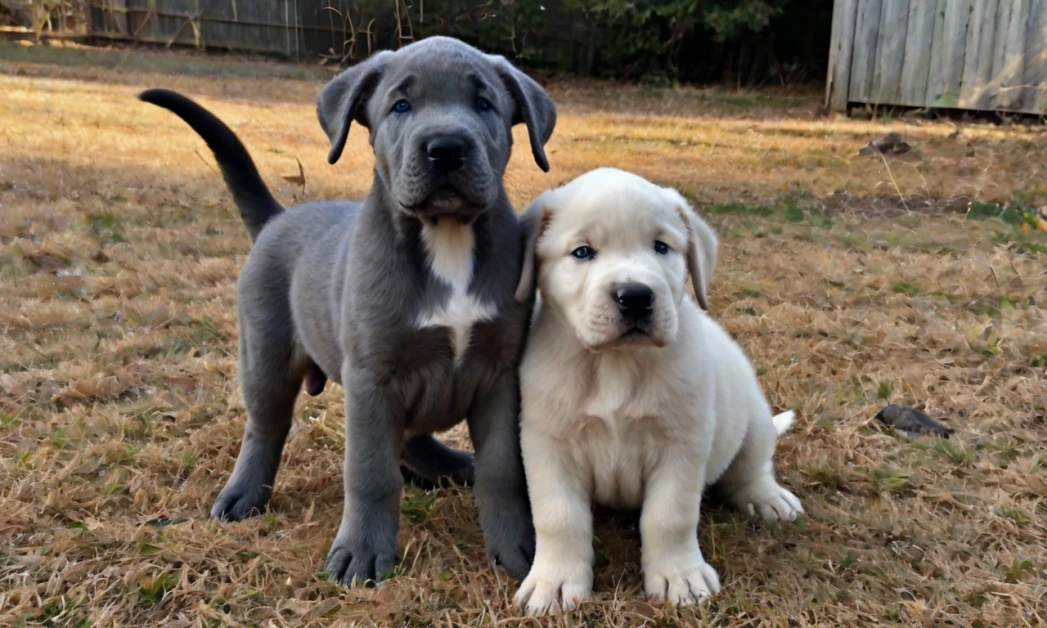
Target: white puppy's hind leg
<point x="749" y="482"/>
<point x="768" y="498"/>
<point x="562" y="574"/>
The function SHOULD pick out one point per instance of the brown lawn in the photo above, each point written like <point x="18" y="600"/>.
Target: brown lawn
<point x="849" y="280"/>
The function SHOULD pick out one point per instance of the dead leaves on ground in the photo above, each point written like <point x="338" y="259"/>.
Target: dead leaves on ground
<point x="94" y="389"/>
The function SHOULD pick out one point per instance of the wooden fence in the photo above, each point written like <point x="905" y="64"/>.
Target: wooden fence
<point x="964" y="54"/>
<point x="296" y="29"/>
<point x="305" y="30"/>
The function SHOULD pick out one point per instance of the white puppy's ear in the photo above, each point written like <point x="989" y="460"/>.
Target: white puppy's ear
<point x="532" y="224"/>
<point x="702" y="246"/>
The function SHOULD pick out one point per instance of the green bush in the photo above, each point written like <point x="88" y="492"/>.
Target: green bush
<point x="658" y="41"/>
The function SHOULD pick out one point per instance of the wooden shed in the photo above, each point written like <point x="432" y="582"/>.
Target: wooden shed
<point x="987" y="55"/>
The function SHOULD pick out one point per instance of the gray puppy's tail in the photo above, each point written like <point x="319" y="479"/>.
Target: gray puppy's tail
<point x="256" y="203"/>
<point x="428" y="463"/>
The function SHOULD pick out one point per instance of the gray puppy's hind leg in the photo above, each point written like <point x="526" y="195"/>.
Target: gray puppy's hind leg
<point x="429" y="464"/>
<point x="269" y="380"/>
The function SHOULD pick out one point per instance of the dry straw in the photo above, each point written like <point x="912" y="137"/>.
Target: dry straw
<point x="120" y="416"/>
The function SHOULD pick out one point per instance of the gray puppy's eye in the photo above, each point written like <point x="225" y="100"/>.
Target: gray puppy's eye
<point x="482" y="104"/>
<point x="401" y="106"/>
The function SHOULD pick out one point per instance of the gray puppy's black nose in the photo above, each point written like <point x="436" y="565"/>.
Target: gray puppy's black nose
<point x="446" y="153"/>
<point x="635" y="301"/>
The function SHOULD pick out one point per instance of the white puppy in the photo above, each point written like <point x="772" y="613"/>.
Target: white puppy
<point x="631" y="395"/>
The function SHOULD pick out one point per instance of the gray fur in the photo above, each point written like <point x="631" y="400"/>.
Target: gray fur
<point x="340" y="285"/>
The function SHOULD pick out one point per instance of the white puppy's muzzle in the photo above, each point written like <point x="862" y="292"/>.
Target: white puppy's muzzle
<point x="630" y="304"/>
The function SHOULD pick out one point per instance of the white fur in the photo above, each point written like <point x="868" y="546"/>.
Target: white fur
<point x="449" y="246"/>
<point x="782" y="422"/>
<point x="633" y="422"/>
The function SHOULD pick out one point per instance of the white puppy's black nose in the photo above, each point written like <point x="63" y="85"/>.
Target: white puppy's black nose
<point x="446" y="153"/>
<point x="635" y="301"/>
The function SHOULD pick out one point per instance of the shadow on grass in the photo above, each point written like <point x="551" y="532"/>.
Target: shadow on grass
<point x="224" y="76"/>
<point x="190" y="63"/>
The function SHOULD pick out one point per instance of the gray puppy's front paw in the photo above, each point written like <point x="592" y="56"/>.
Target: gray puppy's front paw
<point x="365" y="555"/>
<point x="240" y="499"/>
<point x="509" y="534"/>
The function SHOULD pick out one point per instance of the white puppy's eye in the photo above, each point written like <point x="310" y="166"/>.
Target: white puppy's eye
<point x="661" y="248"/>
<point x="584" y="252"/>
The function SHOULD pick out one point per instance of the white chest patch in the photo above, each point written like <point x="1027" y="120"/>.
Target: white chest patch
<point x="449" y="246"/>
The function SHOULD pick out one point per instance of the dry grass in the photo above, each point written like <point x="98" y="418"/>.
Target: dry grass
<point x="120" y="416"/>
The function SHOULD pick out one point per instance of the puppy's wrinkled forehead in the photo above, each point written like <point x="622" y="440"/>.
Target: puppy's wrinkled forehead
<point x="611" y="214"/>
<point x="459" y="70"/>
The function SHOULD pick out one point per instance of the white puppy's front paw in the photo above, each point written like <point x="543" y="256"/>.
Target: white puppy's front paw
<point x="771" y="500"/>
<point x="550" y="590"/>
<point x="680" y="581"/>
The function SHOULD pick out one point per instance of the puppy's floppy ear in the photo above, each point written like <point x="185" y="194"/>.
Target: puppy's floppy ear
<point x="532" y="224"/>
<point x="344" y="99"/>
<point x="530" y="105"/>
<point x="702" y="247"/>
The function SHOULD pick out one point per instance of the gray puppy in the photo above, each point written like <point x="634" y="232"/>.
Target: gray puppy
<point x="406" y="299"/>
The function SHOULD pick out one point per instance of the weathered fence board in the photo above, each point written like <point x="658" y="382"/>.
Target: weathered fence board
<point x="1008" y="67"/>
<point x="917" y="57"/>
<point x="954" y="41"/>
<point x="969" y="54"/>
<point x="936" y="48"/>
<point x="1034" y="69"/>
<point x="890" y="50"/>
<point x="866" y="37"/>
<point x="269" y="27"/>
<point x="840" y="50"/>
<point x="978" y="54"/>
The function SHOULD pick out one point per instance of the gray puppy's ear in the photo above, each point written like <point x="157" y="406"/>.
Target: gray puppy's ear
<point x="532" y="224"/>
<point x="702" y="247"/>
<point x="530" y="105"/>
<point x="344" y="99"/>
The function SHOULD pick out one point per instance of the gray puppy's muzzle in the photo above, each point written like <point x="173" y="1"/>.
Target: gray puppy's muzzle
<point x="447" y="174"/>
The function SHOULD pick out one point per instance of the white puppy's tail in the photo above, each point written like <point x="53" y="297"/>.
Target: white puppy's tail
<point x="782" y="422"/>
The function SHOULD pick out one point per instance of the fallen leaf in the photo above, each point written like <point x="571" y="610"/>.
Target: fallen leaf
<point x="90" y="389"/>
<point x="187" y="384"/>
<point x="641" y="608"/>
<point x="300" y="179"/>
<point x="1036" y="484"/>
<point x="11" y="386"/>
<point x="298" y="607"/>
<point x="47" y="262"/>
<point x="322" y="609"/>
